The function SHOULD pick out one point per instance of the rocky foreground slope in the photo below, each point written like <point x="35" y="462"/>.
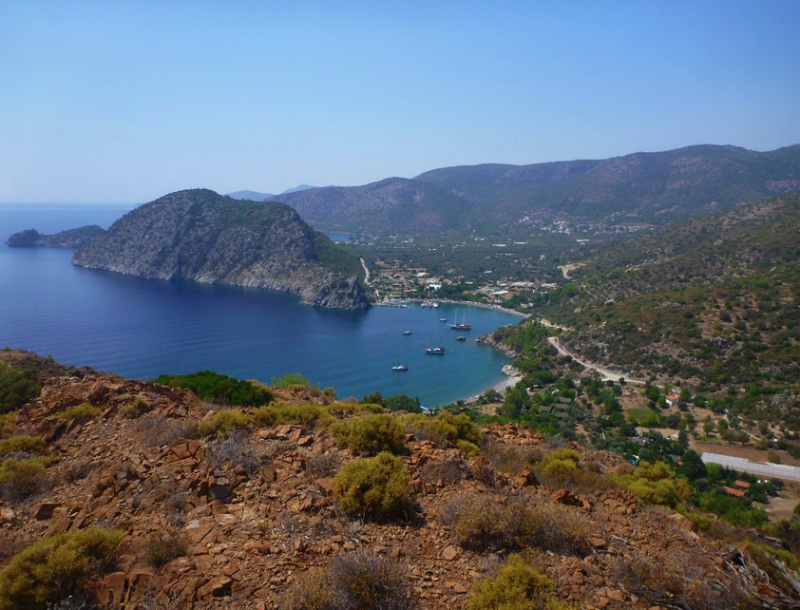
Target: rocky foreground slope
<point x="247" y="517"/>
<point x="202" y="236"/>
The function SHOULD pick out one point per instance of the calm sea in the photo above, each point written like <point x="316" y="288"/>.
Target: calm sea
<point x="143" y="328"/>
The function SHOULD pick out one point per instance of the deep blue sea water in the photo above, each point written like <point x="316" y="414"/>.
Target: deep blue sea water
<point x="143" y="328"/>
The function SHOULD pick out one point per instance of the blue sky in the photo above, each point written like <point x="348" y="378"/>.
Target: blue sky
<point x="124" y="101"/>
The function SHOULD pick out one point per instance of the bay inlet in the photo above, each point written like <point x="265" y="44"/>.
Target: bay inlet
<point x="142" y="328"/>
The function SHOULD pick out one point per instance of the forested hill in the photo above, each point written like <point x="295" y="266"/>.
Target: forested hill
<point x="652" y="188"/>
<point x="713" y="301"/>
<point x="202" y="236"/>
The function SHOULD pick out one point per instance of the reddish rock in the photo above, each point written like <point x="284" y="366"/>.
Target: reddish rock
<point x="45" y="510"/>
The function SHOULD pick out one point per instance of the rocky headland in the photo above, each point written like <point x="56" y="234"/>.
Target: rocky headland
<point x="205" y="237"/>
<point x="73" y="238"/>
<point x="213" y="507"/>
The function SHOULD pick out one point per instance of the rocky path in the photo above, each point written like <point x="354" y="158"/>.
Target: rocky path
<point x="605" y="372"/>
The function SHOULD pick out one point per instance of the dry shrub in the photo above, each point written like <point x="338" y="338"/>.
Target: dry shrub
<point x="449" y="470"/>
<point x="679" y="576"/>
<point x="239" y="450"/>
<point x="308" y="592"/>
<point x="322" y="466"/>
<point x="561" y="529"/>
<point x="489" y="522"/>
<point x="164" y="547"/>
<point x="79" y="469"/>
<point x="510" y="458"/>
<point x="162" y="430"/>
<point x="354" y="581"/>
<point x="483" y="470"/>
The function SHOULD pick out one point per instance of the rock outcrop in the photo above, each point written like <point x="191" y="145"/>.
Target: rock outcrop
<point x="74" y="238"/>
<point x="202" y="236"/>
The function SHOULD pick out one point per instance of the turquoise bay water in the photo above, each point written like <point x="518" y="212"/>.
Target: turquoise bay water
<point x="142" y="328"/>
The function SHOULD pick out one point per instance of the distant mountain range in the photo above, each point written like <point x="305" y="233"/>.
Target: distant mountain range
<point x="652" y="188"/>
<point x="256" y="196"/>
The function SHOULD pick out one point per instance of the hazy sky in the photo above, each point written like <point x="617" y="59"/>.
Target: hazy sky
<point x="125" y="101"/>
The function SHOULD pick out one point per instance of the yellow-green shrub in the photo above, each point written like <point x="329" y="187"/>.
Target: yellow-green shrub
<point x="443" y="427"/>
<point x="371" y="434"/>
<point x="22" y="478"/>
<point x="222" y="422"/>
<point x="81" y="413"/>
<point x="7" y="418"/>
<point x="517" y="586"/>
<point x="651" y="483"/>
<point x="54" y="568"/>
<point x="353" y="408"/>
<point x="23" y="443"/>
<point x="469" y="448"/>
<point x="558" y="467"/>
<point x="374" y="488"/>
<point x="306" y="414"/>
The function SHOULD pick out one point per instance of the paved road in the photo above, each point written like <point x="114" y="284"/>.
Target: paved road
<point x="776" y="471"/>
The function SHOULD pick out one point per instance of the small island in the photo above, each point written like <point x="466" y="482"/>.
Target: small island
<point x="73" y="238"/>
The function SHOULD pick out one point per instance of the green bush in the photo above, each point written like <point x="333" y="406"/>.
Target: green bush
<point x="22" y="478"/>
<point x="292" y="379"/>
<point x="25" y="444"/>
<point x="218" y="388"/>
<point x="403" y="402"/>
<point x="17" y="387"/>
<point x="517" y="586"/>
<point x="54" y="568"/>
<point x="81" y="413"/>
<point x="374" y="488"/>
<point x="371" y="434"/>
<point x="223" y="422"/>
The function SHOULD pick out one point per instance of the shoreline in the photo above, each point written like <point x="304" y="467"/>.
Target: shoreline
<point x="519" y="314"/>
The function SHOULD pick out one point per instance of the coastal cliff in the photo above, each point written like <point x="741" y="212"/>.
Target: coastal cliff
<point x="205" y="237"/>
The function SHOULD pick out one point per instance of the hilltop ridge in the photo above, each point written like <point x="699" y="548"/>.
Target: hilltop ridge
<point x="652" y="188"/>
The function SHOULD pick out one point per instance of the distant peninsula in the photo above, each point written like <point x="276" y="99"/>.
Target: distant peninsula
<point x="205" y="237"/>
<point x="74" y="238"/>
